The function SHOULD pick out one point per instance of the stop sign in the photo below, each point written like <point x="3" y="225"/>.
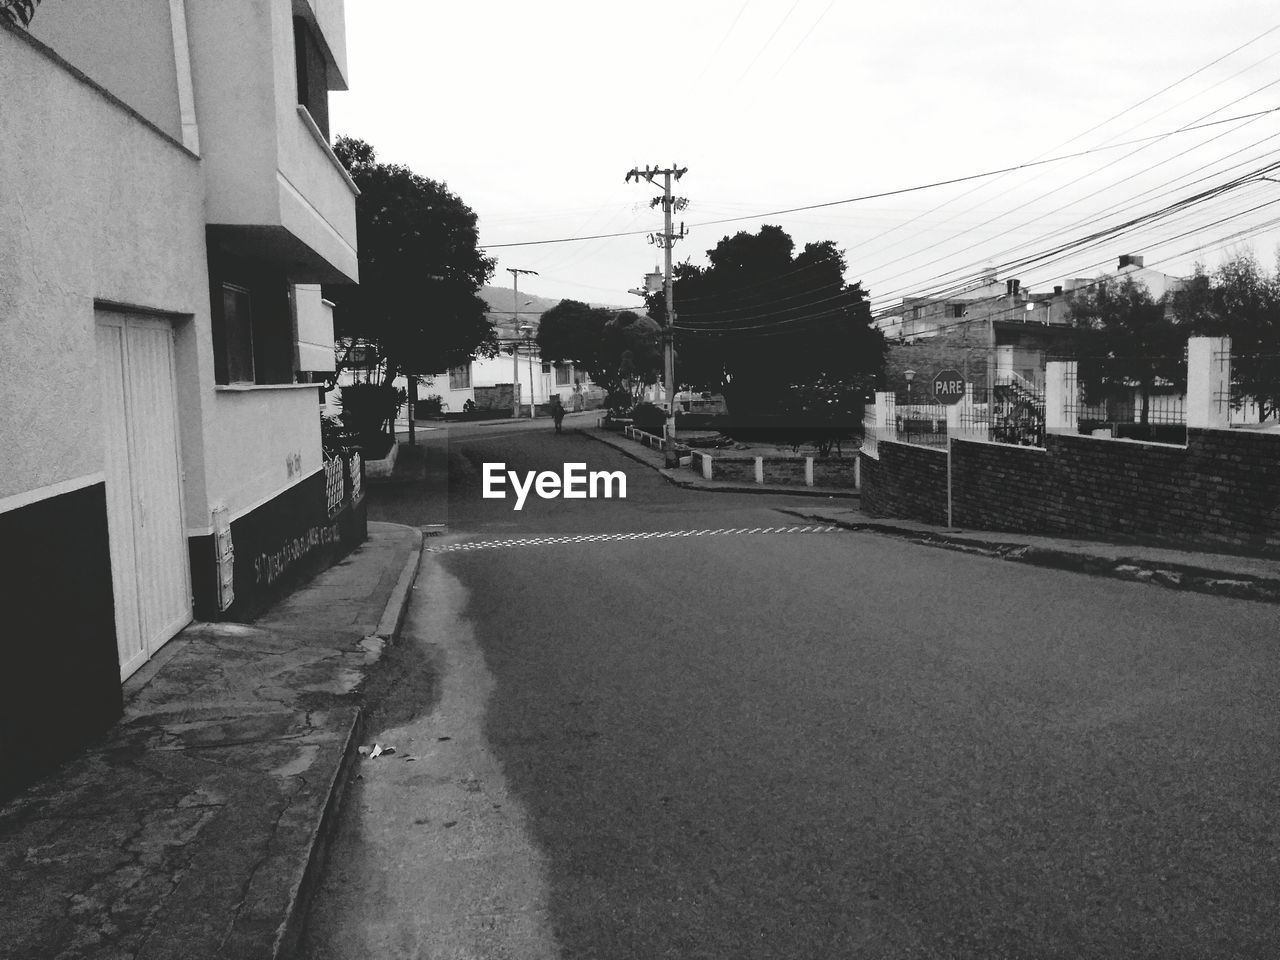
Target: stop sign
<point x="948" y="386"/>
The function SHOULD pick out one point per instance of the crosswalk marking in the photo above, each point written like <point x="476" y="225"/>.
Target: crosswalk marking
<point x="614" y="537"/>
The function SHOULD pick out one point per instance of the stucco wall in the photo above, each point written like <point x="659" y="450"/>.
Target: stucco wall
<point x="90" y="34"/>
<point x="253" y="436"/>
<point x="263" y="166"/>
<point x="231" y="71"/>
<point x="96" y="204"/>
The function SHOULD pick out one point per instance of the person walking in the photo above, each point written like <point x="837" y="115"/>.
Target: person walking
<point x="557" y="411"/>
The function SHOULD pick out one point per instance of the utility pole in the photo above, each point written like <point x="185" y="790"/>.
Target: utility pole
<point x="529" y="337"/>
<point x="515" y="343"/>
<point x="666" y="240"/>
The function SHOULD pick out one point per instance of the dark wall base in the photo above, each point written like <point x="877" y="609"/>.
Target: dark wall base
<point x="60" y="685"/>
<point x="281" y="544"/>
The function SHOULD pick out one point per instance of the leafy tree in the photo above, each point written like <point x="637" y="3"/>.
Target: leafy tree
<point x="633" y="349"/>
<point x="621" y="352"/>
<point x="420" y="270"/>
<point x="18" y="12"/>
<point x="759" y="322"/>
<point x="1239" y="300"/>
<point x="574" y="331"/>
<point x="1125" y="339"/>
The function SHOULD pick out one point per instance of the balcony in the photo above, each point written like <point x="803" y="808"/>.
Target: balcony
<point x="274" y="190"/>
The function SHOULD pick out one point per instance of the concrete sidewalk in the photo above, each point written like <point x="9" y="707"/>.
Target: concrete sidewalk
<point x="1232" y="575"/>
<point x="196" y="828"/>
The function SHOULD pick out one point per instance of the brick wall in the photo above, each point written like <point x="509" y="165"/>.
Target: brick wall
<point x="835" y="473"/>
<point x="739" y="471"/>
<point x="907" y="482"/>
<point x="997" y="486"/>
<point x="500" y="396"/>
<point x="1221" y="491"/>
<point x="784" y="471"/>
<point x="966" y="351"/>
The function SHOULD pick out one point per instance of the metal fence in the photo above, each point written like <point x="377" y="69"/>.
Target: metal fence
<point x="1133" y="398"/>
<point x="924" y="424"/>
<point x="1253" y="395"/>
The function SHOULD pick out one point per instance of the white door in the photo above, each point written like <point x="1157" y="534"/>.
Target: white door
<point x="149" y="566"/>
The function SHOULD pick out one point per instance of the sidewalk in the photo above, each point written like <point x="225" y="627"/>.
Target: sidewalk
<point x="1231" y="575"/>
<point x="195" y="830"/>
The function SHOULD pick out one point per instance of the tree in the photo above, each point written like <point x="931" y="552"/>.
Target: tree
<point x="574" y="331"/>
<point x="18" y="12"/>
<point x="632" y="348"/>
<point x="620" y="352"/>
<point x="420" y="270"/>
<point x="760" y="324"/>
<point x="1125" y="339"/>
<point x="1239" y="300"/>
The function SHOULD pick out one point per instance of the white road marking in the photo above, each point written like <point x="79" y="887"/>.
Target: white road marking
<point x="612" y="537"/>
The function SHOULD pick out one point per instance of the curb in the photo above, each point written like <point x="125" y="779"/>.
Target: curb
<point x="1172" y="576"/>
<point x="289" y="933"/>
<point x="393" y="614"/>
<point x="668" y="474"/>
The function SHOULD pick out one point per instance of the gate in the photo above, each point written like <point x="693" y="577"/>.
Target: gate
<point x="149" y="564"/>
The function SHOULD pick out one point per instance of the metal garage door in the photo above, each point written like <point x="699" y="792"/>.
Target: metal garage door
<point x="149" y="566"/>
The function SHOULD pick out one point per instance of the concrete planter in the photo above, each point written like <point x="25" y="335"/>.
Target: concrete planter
<point x="381" y="469"/>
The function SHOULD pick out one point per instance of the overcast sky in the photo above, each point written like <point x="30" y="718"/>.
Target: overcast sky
<point x="533" y="113"/>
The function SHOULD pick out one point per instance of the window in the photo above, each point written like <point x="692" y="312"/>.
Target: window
<point x="460" y="377"/>
<point x="313" y="74"/>
<point x="956" y="309"/>
<point x="252" y="320"/>
<point x="564" y="374"/>
<point x="546" y="366"/>
<point x="237" y="334"/>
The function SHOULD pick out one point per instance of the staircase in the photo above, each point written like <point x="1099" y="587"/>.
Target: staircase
<point x="1019" y="410"/>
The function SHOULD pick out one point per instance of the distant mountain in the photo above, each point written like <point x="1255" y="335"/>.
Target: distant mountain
<point x="501" y="307"/>
<point x="501" y="301"/>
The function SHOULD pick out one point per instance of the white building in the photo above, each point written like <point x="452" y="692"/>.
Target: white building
<point x="171" y="205"/>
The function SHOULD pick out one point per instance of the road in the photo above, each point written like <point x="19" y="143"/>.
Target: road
<point x="735" y="744"/>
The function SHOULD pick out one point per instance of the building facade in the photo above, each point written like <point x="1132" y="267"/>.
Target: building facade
<point x="175" y="206"/>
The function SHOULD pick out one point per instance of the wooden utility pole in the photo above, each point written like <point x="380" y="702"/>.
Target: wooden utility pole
<point x="666" y="240"/>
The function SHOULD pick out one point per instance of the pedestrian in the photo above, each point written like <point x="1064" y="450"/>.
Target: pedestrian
<point x="557" y="411"/>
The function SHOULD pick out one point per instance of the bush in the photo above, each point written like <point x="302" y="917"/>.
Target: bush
<point x="367" y="408"/>
<point x="431" y="406"/>
<point x="334" y="439"/>
<point x="618" y="403"/>
<point x="650" y="418"/>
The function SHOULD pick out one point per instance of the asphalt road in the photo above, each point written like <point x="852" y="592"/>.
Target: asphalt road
<point x="809" y="744"/>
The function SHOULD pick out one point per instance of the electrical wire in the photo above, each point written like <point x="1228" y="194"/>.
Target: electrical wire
<point x="769" y="41"/>
<point x="887" y="193"/>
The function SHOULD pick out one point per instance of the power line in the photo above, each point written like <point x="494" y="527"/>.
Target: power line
<point x="787" y="59"/>
<point x="769" y="41"/>
<point x="725" y="36"/>
<point x="701" y="323"/>
<point x="1249" y="119"/>
<point x="1079" y="136"/>
<point x="890" y="193"/>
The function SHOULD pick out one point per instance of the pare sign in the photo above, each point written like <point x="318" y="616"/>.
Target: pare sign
<point x="948" y="386"/>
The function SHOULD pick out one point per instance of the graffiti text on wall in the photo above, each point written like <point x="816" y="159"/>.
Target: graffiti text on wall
<point x="269" y="566"/>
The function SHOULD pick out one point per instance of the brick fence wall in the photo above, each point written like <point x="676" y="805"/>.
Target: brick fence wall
<point x="907" y="482"/>
<point x="1221" y="491"/>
